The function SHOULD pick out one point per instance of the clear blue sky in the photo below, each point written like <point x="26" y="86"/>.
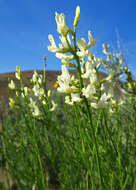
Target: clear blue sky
<point x="25" y="25"/>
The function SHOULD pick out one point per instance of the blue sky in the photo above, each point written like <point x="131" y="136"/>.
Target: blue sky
<point x="25" y="25"/>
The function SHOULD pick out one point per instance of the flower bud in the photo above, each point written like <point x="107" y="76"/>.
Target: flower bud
<point x="49" y="93"/>
<point x="44" y="57"/>
<point x="11" y="85"/>
<point x="18" y="74"/>
<point x="11" y="102"/>
<point x="77" y="16"/>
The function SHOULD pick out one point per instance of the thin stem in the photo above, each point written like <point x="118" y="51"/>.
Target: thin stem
<point x="94" y="140"/>
<point x="89" y="114"/>
<point x="44" y="75"/>
<point x="38" y="156"/>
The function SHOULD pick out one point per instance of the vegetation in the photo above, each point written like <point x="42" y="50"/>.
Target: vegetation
<point x="81" y="136"/>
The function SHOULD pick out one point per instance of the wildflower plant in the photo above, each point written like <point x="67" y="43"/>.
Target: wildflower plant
<point x="88" y="88"/>
<point x="36" y="97"/>
<point x="79" y="136"/>
<point x="73" y="54"/>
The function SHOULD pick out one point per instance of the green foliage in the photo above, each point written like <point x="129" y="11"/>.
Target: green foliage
<point x="59" y="152"/>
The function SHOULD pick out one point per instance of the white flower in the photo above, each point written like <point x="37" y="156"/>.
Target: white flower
<point x="68" y="101"/>
<point x="49" y="93"/>
<point x="35" y="77"/>
<point x="33" y="187"/>
<point x="54" y="105"/>
<point x="83" y="47"/>
<point x="32" y="103"/>
<point x="75" y="97"/>
<point x="82" y="44"/>
<point x="77" y="16"/>
<point x="25" y="92"/>
<point x="64" y="56"/>
<point x="65" y="40"/>
<point x="44" y="102"/>
<point x="90" y="71"/>
<point x="61" y="25"/>
<point x="34" y="108"/>
<point x="65" y="81"/>
<point x="93" y="78"/>
<point x="102" y="103"/>
<point x="18" y="73"/>
<point x="38" y="91"/>
<point x="89" y="91"/>
<point x="40" y="79"/>
<point x="11" y="85"/>
<point x="36" y="112"/>
<point x="92" y="41"/>
<point x="53" y="47"/>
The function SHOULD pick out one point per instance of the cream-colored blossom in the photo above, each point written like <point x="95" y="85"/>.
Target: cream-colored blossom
<point x="49" y="93"/>
<point x="75" y="97"/>
<point x="68" y="100"/>
<point x="53" y="48"/>
<point x="102" y="103"/>
<point x="54" y="105"/>
<point x="89" y="91"/>
<point x="37" y="78"/>
<point x="40" y="79"/>
<point x="11" y="85"/>
<point x="66" y="81"/>
<point x="44" y="102"/>
<point x="62" y="28"/>
<point x="64" y="56"/>
<point x="77" y="16"/>
<point x="32" y="103"/>
<point x="25" y="92"/>
<point x="34" y="77"/>
<point x="65" y="40"/>
<point x="92" y="41"/>
<point x="83" y="47"/>
<point x="38" y="91"/>
<point x="18" y="73"/>
<point x="36" y="112"/>
<point x="82" y="44"/>
<point x="34" y="108"/>
<point x="89" y="70"/>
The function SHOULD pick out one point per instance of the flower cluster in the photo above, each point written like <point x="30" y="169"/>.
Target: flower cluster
<point x="34" y="97"/>
<point x="88" y="86"/>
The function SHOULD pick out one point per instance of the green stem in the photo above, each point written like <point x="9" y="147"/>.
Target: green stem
<point x="94" y="140"/>
<point x="44" y="75"/>
<point x="88" y="109"/>
<point x="38" y="156"/>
